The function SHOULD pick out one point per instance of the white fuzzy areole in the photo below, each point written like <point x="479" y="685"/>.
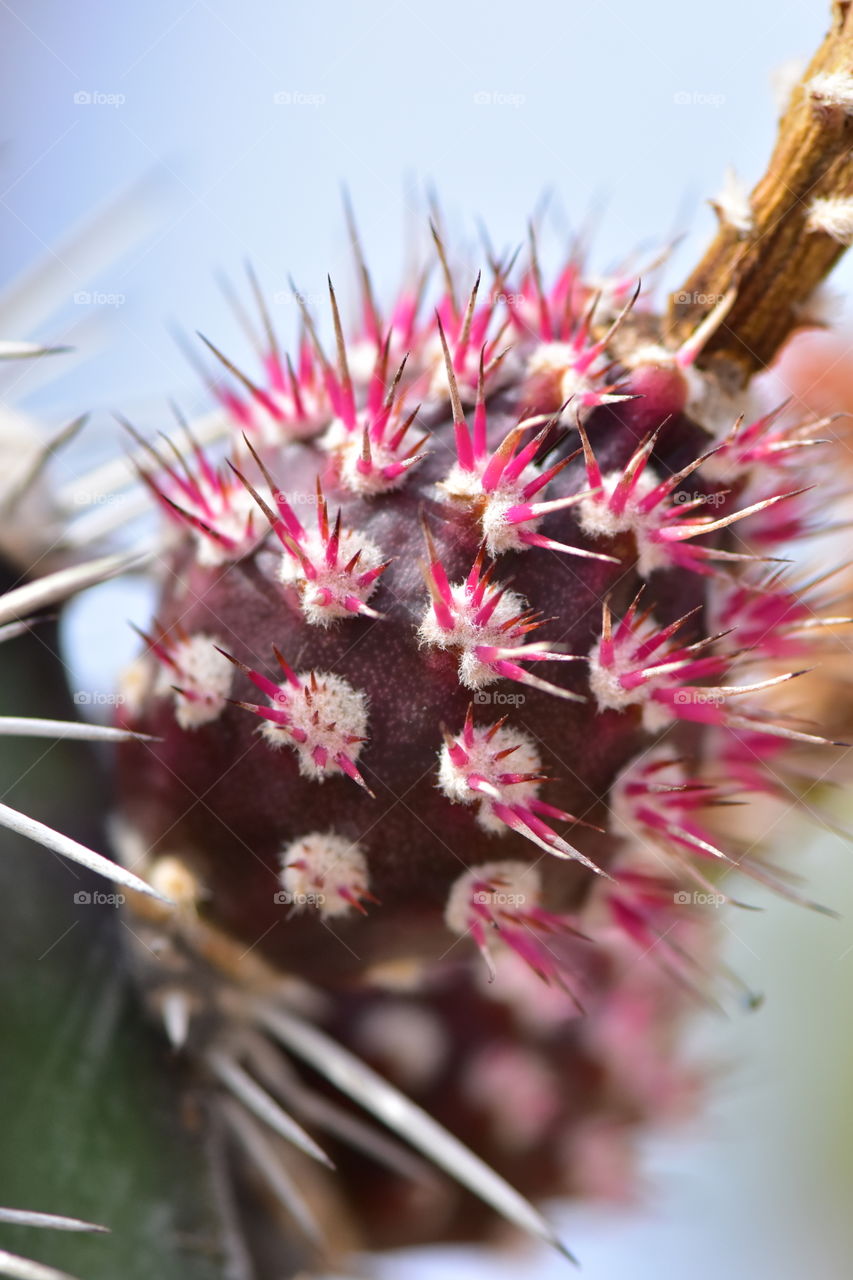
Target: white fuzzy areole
<point x="785" y="77"/>
<point x="409" y="1039"/>
<point x="604" y="683"/>
<point x="709" y="402"/>
<point x="464" y="485"/>
<point x="656" y="716"/>
<point x="598" y="520"/>
<point x="649" y="353"/>
<point x="171" y="876"/>
<point x="135" y="682"/>
<point x="432" y="359"/>
<point x="520" y="1092"/>
<point x="473" y="673"/>
<point x="466" y="635"/>
<point x="553" y="362"/>
<point x="129" y="846"/>
<point x="205" y="676"/>
<point x="499" y="534"/>
<point x="574" y="384"/>
<point x="318" y="867"/>
<point x="611" y="293"/>
<point x="733" y="203"/>
<point x="230" y="517"/>
<point x="328" y="716"/>
<point x="622" y="807"/>
<point x="453" y="778"/>
<point x="611" y="696"/>
<point x="361" y="359"/>
<point x="551" y="359"/>
<point x="833" y="215"/>
<point x="514" y="886"/>
<point x="289" y="423"/>
<point x="337" y="581"/>
<point x="831" y="89"/>
<point x="347" y="448"/>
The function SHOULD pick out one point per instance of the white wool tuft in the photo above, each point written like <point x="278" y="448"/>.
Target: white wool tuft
<point x="204" y="676"/>
<point x="467" y="634"/>
<point x="453" y="778"/>
<point x="321" y="598"/>
<point x="501" y="886"/>
<point x="833" y="215"/>
<point x="598" y="519"/>
<point x="733" y="203"/>
<point x="324" y="871"/>
<point x="832" y="89"/>
<point x="327" y="717"/>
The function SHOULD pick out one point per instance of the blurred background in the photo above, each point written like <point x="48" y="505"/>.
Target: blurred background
<point x="191" y="137"/>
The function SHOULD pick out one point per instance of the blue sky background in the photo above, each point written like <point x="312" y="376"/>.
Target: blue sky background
<point x="630" y="112"/>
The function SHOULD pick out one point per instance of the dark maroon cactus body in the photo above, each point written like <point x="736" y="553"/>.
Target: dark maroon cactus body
<point x="437" y="728"/>
<point x="229" y="804"/>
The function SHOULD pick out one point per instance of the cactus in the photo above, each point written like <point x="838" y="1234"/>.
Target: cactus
<point x="353" y="772"/>
<point x="465" y="640"/>
<point x="461" y="648"/>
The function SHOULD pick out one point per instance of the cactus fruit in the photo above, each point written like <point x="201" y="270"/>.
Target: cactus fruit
<point x="467" y="639"/>
<point x="458" y="651"/>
